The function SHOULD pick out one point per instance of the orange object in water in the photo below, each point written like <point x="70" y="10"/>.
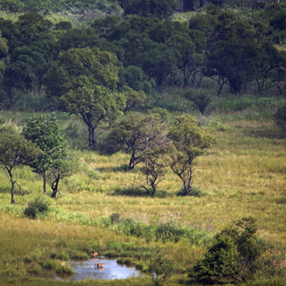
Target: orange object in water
<point x="99" y="265"/>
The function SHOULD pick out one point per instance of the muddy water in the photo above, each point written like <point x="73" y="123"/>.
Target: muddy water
<point x="111" y="270"/>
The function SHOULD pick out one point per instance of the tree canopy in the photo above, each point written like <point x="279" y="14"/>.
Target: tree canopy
<point x="188" y="142"/>
<point x="86" y="82"/>
<point x="15" y="151"/>
<point x="44" y="132"/>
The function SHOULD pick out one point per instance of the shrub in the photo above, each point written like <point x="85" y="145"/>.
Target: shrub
<point x="169" y="232"/>
<point x="114" y="218"/>
<point x="34" y="268"/>
<point x="219" y="262"/>
<point x="232" y="254"/>
<point x="36" y="207"/>
<point x="162" y="269"/>
<point x="201" y="99"/>
<point x="64" y="267"/>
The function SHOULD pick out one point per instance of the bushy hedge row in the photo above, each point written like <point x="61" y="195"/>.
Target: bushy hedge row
<point x="170" y="231"/>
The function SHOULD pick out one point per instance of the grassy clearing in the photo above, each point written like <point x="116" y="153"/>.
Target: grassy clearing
<point x="243" y="174"/>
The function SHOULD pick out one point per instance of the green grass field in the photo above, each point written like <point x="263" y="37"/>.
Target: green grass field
<point x="244" y="174"/>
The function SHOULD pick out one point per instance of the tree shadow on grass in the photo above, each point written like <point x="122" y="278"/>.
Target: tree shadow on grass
<point x="5" y="190"/>
<point x="123" y="168"/>
<point x="269" y="133"/>
<point x="139" y="192"/>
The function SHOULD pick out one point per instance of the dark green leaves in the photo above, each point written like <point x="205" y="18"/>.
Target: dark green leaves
<point x="233" y="253"/>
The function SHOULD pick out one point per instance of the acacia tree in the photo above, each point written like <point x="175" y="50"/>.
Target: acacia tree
<point x="154" y="164"/>
<point x="61" y="169"/>
<point x="133" y="133"/>
<point x="86" y="81"/>
<point x="44" y="131"/>
<point x="15" y="151"/>
<point x="188" y="142"/>
<point x="201" y="99"/>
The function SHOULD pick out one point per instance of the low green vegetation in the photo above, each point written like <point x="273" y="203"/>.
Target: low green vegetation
<point x="36" y="207"/>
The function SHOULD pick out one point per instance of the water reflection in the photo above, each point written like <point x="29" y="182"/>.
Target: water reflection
<point x="111" y="270"/>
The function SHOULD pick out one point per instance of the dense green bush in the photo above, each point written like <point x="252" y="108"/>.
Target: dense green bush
<point x="164" y="232"/>
<point x="161" y="268"/>
<point x="220" y="262"/>
<point x="231" y="255"/>
<point x="169" y="232"/>
<point x="36" y="207"/>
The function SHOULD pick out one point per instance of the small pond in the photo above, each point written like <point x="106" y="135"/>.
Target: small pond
<point x="111" y="270"/>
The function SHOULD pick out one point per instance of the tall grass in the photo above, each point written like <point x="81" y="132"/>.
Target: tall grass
<point x="243" y="174"/>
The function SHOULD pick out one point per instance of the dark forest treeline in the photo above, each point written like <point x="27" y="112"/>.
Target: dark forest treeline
<point x="230" y="49"/>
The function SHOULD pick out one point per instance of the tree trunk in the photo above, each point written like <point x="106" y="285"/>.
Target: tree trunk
<point x="13" y="187"/>
<point x="154" y="189"/>
<point x="132" y="161"/>
<point x="91" y="136"/>
<point x="19" y="187"/>
<point x="44" y="176"/>
<point x="146" y="190"/>
<point x="147" y="176"/>
<point x="185" y="81"/>
<point x="55" y="185"/>
<point x="189" y="185"/>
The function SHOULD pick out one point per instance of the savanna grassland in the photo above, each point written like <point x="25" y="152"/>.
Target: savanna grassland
<point x="242" y="175"/>
<point x="89" y="65"/>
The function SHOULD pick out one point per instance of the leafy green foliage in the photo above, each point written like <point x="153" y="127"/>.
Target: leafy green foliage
<point x="3" y="46"/>
<point x="36" y="207"/>
<point x="201" y="98"/>
<point x="32" y="50"/>
<point x="169" y="231"/>
<point x="134" y="133"/>
<point x="63" y="168"/>
<point x="153" y="158"/>
<point x="86" y="81"/>
<point x="134" y="77"/>
<point x="63" y="25"/>
<point x="15" y="150"/>
<point x="44" y="131"/>
<point x="219" y="262"/>
<point x="133" y="98"/>
<point x="188" y="142"/>
<point x="161" y="268"/>
<point x="163" y="232"/>
<point x="233" y="253"/>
